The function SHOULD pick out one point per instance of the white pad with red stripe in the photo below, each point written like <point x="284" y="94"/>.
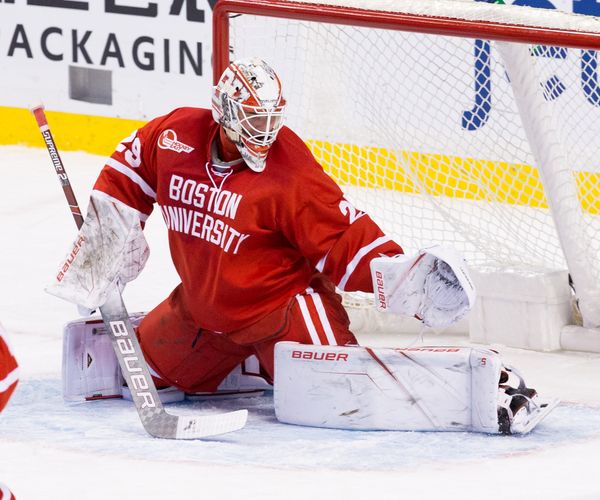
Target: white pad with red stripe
<point x="363" y="388"/>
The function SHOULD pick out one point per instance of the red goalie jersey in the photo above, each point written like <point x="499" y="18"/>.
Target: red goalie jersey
<point x="243" y="243"/>
<point x="8" y="371"/>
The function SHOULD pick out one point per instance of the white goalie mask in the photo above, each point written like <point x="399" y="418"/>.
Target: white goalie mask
<point x="247" y="102"/>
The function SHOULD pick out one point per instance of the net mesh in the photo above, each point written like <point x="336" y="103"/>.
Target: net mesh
<point x="422" y="131"/>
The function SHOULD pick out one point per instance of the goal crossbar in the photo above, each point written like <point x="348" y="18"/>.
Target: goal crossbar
<point x="405" y="21"/>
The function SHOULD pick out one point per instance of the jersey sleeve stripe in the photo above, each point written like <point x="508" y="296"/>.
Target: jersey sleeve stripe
<point x="9" y="380"/>
<point x="357" y="258"/>
<point x="101" y="194"/>
<point x="125" y="170"/>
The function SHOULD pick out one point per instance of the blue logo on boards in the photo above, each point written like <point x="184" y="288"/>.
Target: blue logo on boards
<point x="476" y="117"/>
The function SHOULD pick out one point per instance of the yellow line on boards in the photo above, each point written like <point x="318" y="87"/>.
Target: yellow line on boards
<point x="72" y="132"/>
<point x="350" y="164"/>
<point x="445" y="175"/>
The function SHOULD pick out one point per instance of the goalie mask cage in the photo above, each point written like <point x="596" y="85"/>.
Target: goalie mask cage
<point x="458" y="122"/>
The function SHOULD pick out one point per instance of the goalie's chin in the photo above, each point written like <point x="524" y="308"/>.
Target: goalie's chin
<point x="254" y="156"/>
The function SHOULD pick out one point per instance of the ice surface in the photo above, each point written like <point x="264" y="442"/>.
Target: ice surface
<point x="264" y="441"/>
<point x="50" y="450"/>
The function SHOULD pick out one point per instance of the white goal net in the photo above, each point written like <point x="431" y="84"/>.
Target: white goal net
<point x="490" y="146"/>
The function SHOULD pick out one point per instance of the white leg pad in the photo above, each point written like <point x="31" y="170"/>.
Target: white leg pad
<point x="90" y="369"/>
<point x="362" y="388"/>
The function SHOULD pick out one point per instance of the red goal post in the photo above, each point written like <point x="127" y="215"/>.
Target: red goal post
<point x="515" y="187"/>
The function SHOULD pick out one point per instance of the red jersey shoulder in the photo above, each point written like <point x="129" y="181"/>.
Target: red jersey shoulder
<point x="293" y="168"/>
<point x="290" y="148"/>
<point x="179" y="130"/>
<point x="290" y="159"/>
<point x="188" y="117"/>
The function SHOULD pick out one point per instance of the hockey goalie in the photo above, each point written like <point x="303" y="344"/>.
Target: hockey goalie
<point x="261" y="237"/>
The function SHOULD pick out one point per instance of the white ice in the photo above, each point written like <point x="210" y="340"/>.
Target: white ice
<point x="49" y="450"/>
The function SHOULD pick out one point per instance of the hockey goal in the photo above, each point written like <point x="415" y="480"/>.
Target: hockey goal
<point x="449" y="121"/>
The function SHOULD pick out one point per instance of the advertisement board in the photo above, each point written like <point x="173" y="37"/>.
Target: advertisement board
<point x="103" y="67"/>
<point x="126" y="59"/>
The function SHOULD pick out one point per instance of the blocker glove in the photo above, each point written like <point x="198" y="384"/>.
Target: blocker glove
<point x="109" y="250"/>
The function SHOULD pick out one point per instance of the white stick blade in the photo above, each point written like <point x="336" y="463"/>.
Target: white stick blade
<point x="210" y="425"/>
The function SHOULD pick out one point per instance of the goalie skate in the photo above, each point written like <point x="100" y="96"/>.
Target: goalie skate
<point x="247" y="380"/>
<point x="520" y="409"/>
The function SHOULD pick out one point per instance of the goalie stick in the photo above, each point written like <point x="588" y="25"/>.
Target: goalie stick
<point x="155" y="419"/>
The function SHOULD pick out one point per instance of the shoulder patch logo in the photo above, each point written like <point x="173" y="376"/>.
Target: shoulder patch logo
<point x="168" y="140"/>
